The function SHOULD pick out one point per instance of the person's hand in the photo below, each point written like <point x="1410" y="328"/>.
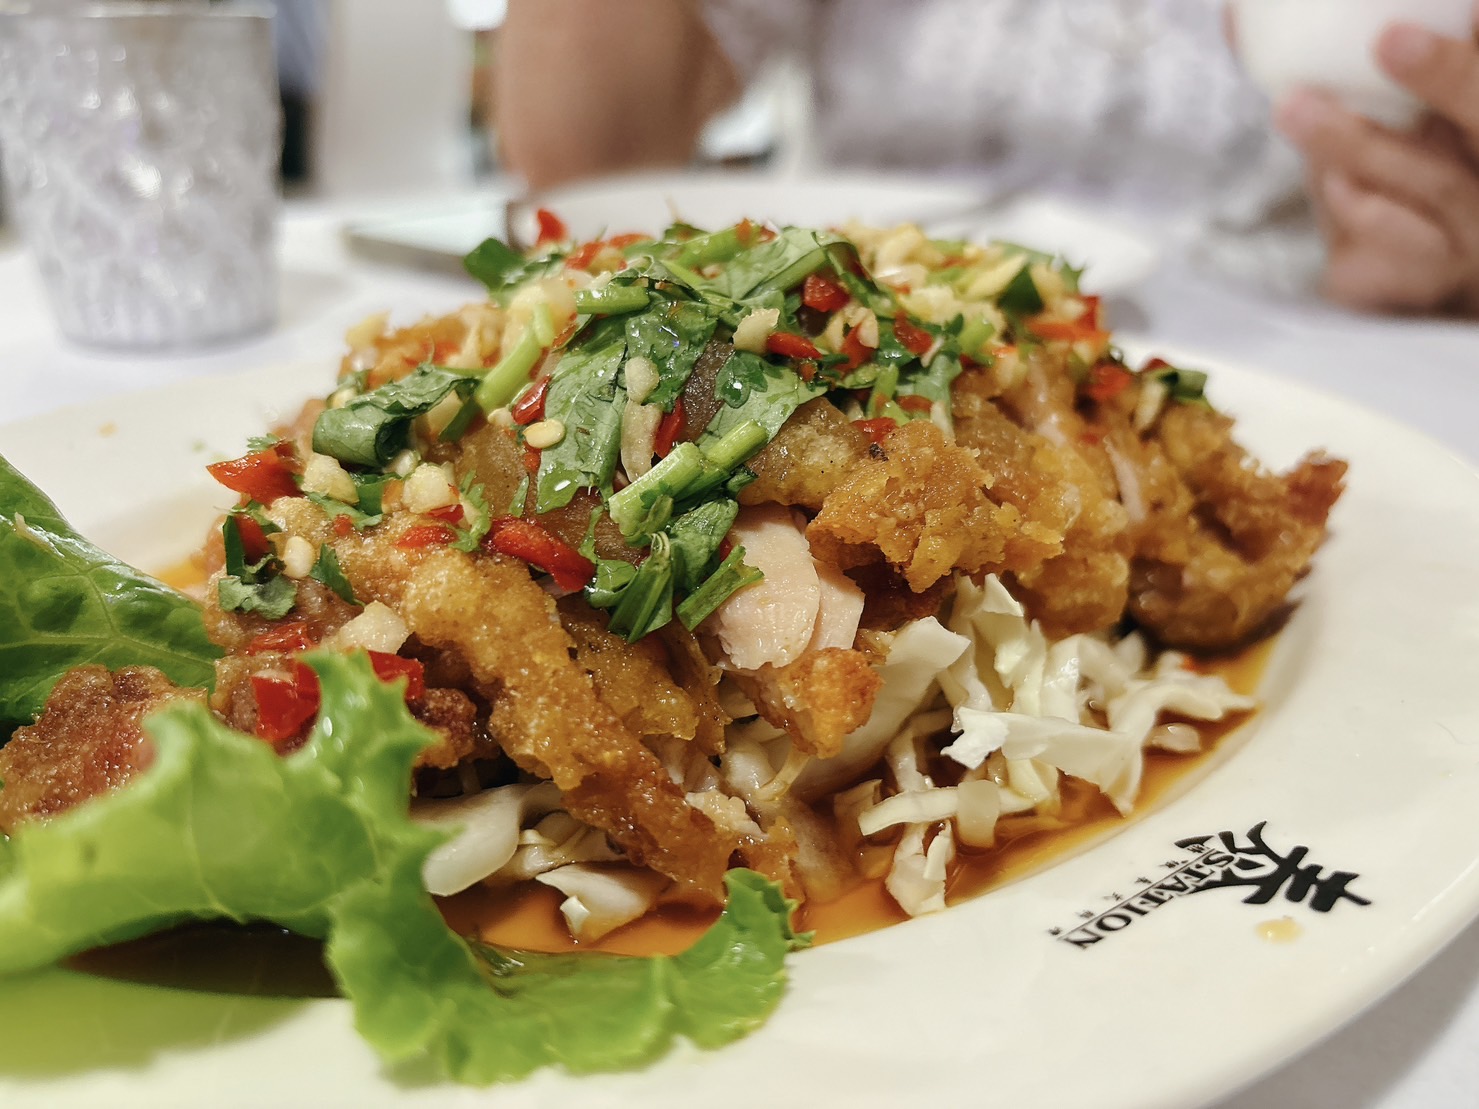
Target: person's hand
<point x="1399" y="211"/>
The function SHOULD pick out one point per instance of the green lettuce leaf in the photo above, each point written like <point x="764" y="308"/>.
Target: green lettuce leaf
<point x="221" y="827"/>
<point x="65" y="602"/>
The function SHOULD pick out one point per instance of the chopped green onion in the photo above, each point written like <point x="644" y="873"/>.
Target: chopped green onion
<point x="503" y="382"/>
<point x="718" y="246"/>
<point x="731" y="576"/>
<point x="645" y="505"/>
<point x="613" y="300"/>
<point x="737" y="446"/>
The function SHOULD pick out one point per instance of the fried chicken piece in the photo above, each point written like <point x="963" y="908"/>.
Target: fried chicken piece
<point x="808" y="458"/>
<point x="918" y="503"/>
<point x="1212" y="578"/>
<point x="88" y="740"/>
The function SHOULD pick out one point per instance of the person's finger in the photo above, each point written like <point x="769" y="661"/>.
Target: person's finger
<point x="1442" y="72"/>
<point x="1421" y="171"/>
<point x="1383" y="255"/>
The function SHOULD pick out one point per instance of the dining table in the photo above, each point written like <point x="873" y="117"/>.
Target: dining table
<point x="1415" y="1048"/>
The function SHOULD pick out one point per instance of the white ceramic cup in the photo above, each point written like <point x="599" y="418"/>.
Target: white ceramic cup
<point x="1330" y="44"/>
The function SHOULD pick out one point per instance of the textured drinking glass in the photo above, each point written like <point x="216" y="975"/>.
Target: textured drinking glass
<point x="140" y="143"/>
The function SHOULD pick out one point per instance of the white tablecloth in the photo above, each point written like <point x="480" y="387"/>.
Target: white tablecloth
<point x="1414" y="1050"/>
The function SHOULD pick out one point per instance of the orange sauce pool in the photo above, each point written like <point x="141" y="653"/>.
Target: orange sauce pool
<point x="529" y="918"/>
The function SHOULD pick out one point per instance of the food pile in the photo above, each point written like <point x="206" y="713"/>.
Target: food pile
<point x="825" y="555"/>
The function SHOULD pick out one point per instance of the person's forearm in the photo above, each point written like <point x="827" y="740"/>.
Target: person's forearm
<point x="584" y="87"/>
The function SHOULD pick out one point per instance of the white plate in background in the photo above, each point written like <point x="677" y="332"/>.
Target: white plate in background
<point x="1117" y="257"/>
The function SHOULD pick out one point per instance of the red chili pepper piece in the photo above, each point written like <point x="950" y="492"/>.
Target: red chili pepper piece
<point x="342" y="526"/>
<point x="425" y="535"/>
<point x="531" y="459"/>
<point x="670" y="429"/>
<point x="857" y="353"/>
<point x="877" y="428"/>
<point x="522" y="539"/>
<point x="787" y="345"/>
<point x="254" y="545"/>
<point x="289" y="638"/>
<point x="1068" y="332"/>
<point x="823" y="293"/>
<point x="913" y="402"/>
<point x="262" y="475"/>
<point x="551" y="228"/>
<point x="390" y="667"/>
<point x="1107" y="380"/>
<point x="285" y="707"/>
<point x="916" y="340"/>
<point x="630" y="238"/>
<point x="447" y="514"/>
<point x="530" y="408"/>
<point x="582" y="256"/>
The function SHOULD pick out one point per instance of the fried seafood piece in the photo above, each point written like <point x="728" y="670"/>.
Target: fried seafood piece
<point x="920" y="504"/>
<point x="88" y="740"/>
<point x="809" y="457"/>
<point x="1215" y="576"/>
<point x="634" y="679"/>
<point x="818" y="699"/>
<point x="545" y="710"/>
<point x="1086" y="586"/>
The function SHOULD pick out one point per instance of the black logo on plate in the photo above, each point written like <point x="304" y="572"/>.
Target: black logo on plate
<point x="1218" y="862"/>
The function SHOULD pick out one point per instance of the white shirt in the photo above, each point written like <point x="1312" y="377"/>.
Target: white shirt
<point x="1136" y="104"/>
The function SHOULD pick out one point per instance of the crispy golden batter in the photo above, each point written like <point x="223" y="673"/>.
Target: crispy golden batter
<point x="1215" y="576"/>
<point x="89" y="740"/>
<point x="807" y="460"/>
<point x="919" y="503"/>
<point x="546" y="713"/>
<point x="818" y="699"/>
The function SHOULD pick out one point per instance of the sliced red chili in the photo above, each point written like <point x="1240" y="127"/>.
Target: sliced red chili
<point x="525" y="540"/>
<point x="531" y="459"/>
<point x="1071" y="332"/>
<point x="877" y="428"/>
<point x="823" y="293"/>
<point x="390" y="667"/>
<point x="787" y="345"/>
<point x="857" y="353"/>
<point x="425" y="535"/>
<point x="582" y="256"/>
<point x="552" y="228"/>
<point x="447" y="514"/>
<point x="285" y="706"/>
<point x="530" y="407"/>
<point x="670" y="429"/>
<point x="629" y="238"/>
<point x="289" y="638"/>
<point x="913" y="402"/>
<point x="342" y="525"/>
<point x="1107" y="380"/>
<point x="262" y="475"/>
<point x="254" y="545"/>
<point x="914" y="339"/>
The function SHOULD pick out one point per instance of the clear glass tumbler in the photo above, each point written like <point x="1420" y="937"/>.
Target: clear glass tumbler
<point x="140" y="144"/>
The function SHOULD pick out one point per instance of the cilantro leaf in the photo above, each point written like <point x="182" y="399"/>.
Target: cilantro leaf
<point x="372" y="428"/>
<point x="327" y="570"/>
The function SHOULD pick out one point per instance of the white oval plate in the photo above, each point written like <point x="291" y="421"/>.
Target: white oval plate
<point x="1116" y="256"/>
<point x="1123" y="976"/>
